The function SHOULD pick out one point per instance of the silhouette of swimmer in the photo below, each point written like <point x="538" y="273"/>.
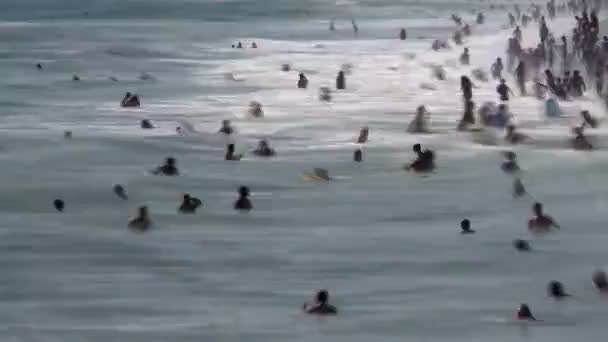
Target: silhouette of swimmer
<point x="130" y="101"/>
<point x="226" y="127"/>
<point x="588" y="119"/>
<point x="59" y="205"/>
<point x="600" y="280"/>
<point x="67" y="135"/>
<point x="120" y="191"/>
<point x="524" y="313"/>
<point x="465" y="225"/>
<point x="264" y="149"/>
<point x="324" y="94"/>
<point x="555" y="289"/>
<point x="341" y="81"/>
<point x="425" y="160"/>
<point x="510" y="164"/>
<point x="39" y="66"/>
<point x="75" y="78"/>
<point x="320" y="306"/>
<point x="189" y="204"/>
<point x="403" y="34"/>
<point x="465" y="57"/>
<point x="580" y="142"/>
<point x="503" y="90"/>
<point x="363" y="135"/>
<point x="518" y="188"/>
<point x="514" y="137"/>
<point x="255" y="109"/>
<point x="303" y="81"/>
<point x="541" y="222"/>
<point x="146" y="124"/>
<point x="285" y="67"/>
<point x="142" y="222"/>
<point x="230" y="153"/>
<point x="243" y="203"/>
<point x="420" y="123"/>
<point x="254" y="45"/>
<point x="168" y="168"/>
<point x="522" y="245"/>
<point x="239" y="45"/>
<point x="358" y="156"/>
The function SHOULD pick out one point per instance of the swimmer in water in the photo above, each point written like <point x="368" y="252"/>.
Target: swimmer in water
<point x="59" y="205"/>
<point x="403" y="34"/>
<point x="243" y="203"/>
<point x="518" y="188"/>
<point x="600" y="281"/>
<point x="75" y="78"/>
<point x="341" y="81"/>
<point x="67" y="135"/>
<point x="332" y="26"/>
<point x="168" y="168"/>
<point x="510" y="164"/>
<point x="465" y="57"/>
<point x="514" y="137"/>
<point x="363" y="135"/>
<point x="254" y="45"/>
<point x="524" y="313"/>
<point x="120" y="191"/>
<point x="130" y="101"/>
<point x="325" y="94"/>
<point x="425" y="160"/>
<point x="555" y="289"/>
<point x="465" y="225"/>
<point x="420" y="124"/>
<point x="358" y="156"/>
<point x="230" y="155"/>
<point x="303" y="81"/>
<point x="321" y="306"/>
<point x="255" y="109"/>
<point x="580" y="142"/>
<point x="189" y="204"/>
<point x="541" y="222"/>
<point x="503" y="90"/>
<point x="226" y="127"/>
<point x="522" y="245"/>
<point x="146" y="124"/>
<point x="39" y="66"/>
<point x="142" y="222"/>
<point x="264" y="150"/>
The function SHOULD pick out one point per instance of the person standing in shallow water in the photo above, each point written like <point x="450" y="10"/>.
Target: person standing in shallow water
<point x="467" y="88"/>
<point x="341" y="81"/>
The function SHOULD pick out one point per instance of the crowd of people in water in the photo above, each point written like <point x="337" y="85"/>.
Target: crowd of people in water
<point x="538" y="64"/>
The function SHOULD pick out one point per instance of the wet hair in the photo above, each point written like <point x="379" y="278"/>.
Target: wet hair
<point x="244" y="191"/>
<point x="322" y="296"/>
<point x="465" y="224"/>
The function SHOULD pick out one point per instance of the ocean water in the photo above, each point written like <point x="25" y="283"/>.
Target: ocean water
<point x="384" y="243"/>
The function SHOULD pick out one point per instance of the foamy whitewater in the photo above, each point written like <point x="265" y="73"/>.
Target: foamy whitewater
<point x="385" y="244"/>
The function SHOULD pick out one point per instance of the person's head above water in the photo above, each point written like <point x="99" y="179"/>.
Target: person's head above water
<point x="143" y="212"/>
<point x="538" y="209"/>
<point x="600" y="280"/>
<point x="244" y="191"/>
<point x="417" y="148"/>
<point x="170" y="161"/>
<point x="524" y="312"/>
<point x="465" y="225"/>
<point x="510" y="155"/>
<point x="322" y="297"/>
<point x="58" y="204"/>
<point x="521" y="245"/>
<point x="556" y="290"/>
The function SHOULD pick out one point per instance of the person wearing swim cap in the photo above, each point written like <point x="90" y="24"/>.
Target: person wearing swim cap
<point x="555" y="289"/>
<point x="189" y="204"/>
<point x="142" y="222"/>
<point x="524" y="313"/>
<point x="465" y="225"/>
<point x="541" y="222"/>
<point x="321" y="306"/>
<point x="522" y="245"/>
<point x="168" y="168"/>
<point x="243" y="203"/>
<point x="600" y="281"/>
